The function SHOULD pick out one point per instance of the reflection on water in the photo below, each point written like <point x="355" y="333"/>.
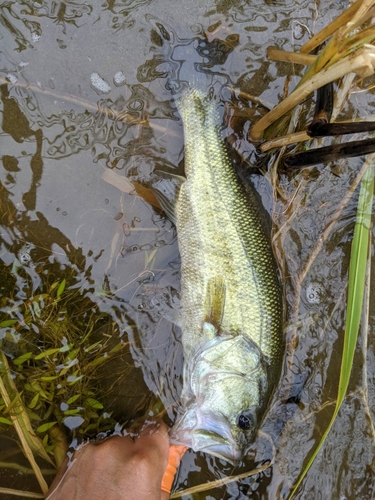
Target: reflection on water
<point x="90" y="86"/>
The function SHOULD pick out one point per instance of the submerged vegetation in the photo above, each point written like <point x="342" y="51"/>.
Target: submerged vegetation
<point x="50" y="349"/>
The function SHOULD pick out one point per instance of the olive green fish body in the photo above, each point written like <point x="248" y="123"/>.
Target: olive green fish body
<point x="230" y="294"/>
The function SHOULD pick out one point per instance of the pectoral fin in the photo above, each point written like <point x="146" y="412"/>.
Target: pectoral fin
<point x="215" y="301"/>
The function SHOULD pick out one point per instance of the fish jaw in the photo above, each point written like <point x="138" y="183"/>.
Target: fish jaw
<point x="225" y="379"/>
<point x="206" y="432"/>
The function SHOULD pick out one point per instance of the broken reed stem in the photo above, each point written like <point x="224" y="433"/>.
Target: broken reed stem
<point x="285" y="140"/>
<point x="229" y="479"/>
<point x="362" y="62"/>
<point x="352" y="16"/>
<point x="290" y="57"/>
<point x="25" y="445"/>
<point x="20" y="493"/>
<point x="297" y="137"/>
<point x="219" y="482"/>
<point x="112" y="114"/>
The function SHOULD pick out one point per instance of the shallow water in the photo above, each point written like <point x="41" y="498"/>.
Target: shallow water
<point x="90" y="103"/>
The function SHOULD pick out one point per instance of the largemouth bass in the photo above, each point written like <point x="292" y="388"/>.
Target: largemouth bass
<point x="231" y="314"/>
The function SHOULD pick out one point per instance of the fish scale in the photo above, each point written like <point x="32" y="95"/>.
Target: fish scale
<point x="229" y="285"/>
<point x="217" y="217"/>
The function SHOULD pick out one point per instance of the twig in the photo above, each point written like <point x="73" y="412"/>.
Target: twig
<point x="229" y="479"/>
<point x="351" y="17"/>
<point x="285" y="140"/>
<point x="20" y="493"/>
<point x="111" y="113"/>
<point x="291" y="57"/>
<point x="219" y="482"/>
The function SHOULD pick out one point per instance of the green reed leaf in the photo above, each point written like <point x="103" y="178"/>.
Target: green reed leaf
<point x="45" y="427"/>
<point x="49" y="378"/>
<point x="47" y="352"/>
<point x="73" y="379"/>
<point x="117" y="347"/>
<point x="33" y="416"/>
<point x="98" y="361"/>
<point x="356" y="285"/>
<point x="93" y="346"/>
<point x="94" y="403"/>
<point x="72" y="412"/>
<point x="21" y="359"/>
<point x="37" y="309"/>
<point x="34" y="401"/>
<point x="37" y="388"/>
<point x="72" y="399"/>
<point x="8" y="322"/>
<point x="61" y="288"/>
<point x="4" y="420"/>
<point x="72" y="355"/>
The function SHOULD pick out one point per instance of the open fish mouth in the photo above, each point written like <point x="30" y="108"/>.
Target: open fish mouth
<point x="208" y="433"/>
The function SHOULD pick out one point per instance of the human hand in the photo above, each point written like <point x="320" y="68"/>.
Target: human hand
<point x="119" y="468"/>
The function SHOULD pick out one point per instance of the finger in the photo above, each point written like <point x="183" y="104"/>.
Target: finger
<point x="58" y="477"/>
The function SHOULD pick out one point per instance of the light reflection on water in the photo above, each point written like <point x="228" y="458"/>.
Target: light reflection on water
<point x="92" y="89"/>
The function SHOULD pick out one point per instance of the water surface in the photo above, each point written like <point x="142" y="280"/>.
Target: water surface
<point x="87" y="100"/>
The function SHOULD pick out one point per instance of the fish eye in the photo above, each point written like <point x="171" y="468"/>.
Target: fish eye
<point x="245" y="420"/>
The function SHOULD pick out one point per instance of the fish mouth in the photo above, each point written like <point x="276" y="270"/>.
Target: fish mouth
<point x="208" y="433"/>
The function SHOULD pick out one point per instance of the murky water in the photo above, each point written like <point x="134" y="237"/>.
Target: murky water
<point x="86" y="102"/>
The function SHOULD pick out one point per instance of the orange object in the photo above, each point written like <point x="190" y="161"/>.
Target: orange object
<point x="174" y="459"/>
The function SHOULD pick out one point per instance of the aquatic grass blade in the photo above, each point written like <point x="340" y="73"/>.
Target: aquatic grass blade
<point x="356" y="286"/>
<point x="61" y="288"/>
<point x="29" y="441"/>
<point x="10" y="394"/>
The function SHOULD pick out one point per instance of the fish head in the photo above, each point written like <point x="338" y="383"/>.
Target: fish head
<point x="225" y="396"/>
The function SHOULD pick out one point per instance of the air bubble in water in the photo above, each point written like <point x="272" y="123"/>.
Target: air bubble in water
<point x="313" y="293"/>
